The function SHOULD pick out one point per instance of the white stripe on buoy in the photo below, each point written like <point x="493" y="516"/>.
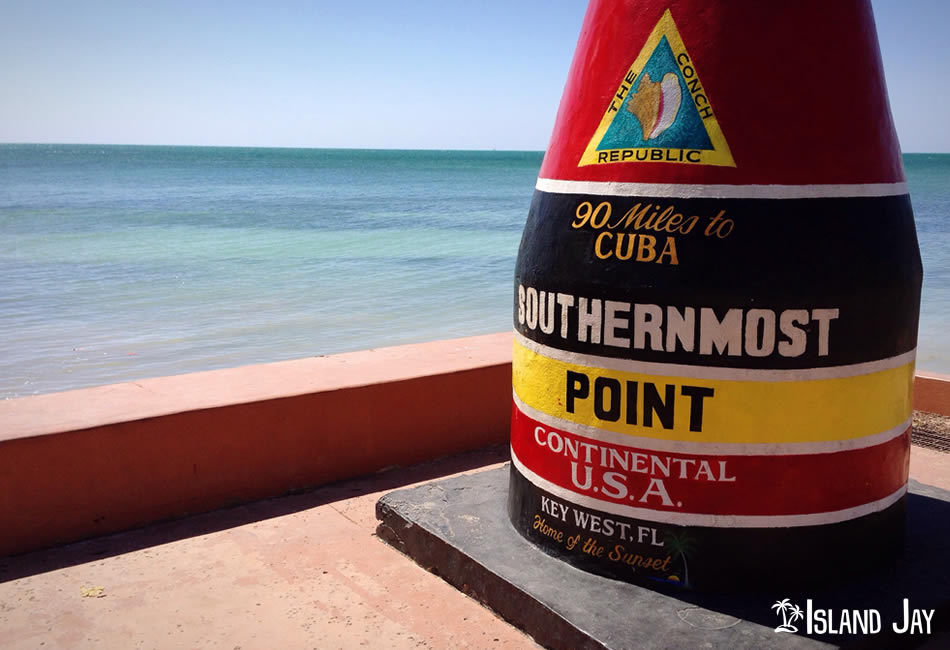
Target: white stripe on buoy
<point x="663" y="190"/>
<point x="715" y="372"/>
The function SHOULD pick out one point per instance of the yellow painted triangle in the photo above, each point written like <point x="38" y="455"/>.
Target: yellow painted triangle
<point x="664" y="118"/>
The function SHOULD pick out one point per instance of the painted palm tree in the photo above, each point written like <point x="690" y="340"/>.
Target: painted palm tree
<point x="786" y="607"/>
<point x="682" y="545"/>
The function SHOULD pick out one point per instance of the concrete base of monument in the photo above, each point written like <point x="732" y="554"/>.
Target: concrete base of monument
<point x="459" y="529"/>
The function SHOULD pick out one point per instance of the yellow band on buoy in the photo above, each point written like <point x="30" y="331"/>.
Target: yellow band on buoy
<point x="670" y="407"/>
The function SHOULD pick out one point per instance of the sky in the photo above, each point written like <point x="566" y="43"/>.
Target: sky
<point x="367" y="74"/>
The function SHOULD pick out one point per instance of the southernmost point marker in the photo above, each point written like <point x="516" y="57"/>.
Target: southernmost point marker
<point x="716" y="301"/>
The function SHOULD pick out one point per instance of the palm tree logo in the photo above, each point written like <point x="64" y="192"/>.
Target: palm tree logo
<point x="681" y="545"/>
<point x="790" y="613"/>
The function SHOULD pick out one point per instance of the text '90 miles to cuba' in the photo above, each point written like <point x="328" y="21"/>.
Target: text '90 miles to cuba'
<point x="628" y="237"/>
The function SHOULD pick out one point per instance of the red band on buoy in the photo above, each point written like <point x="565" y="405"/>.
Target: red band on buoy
<point x="714" y="484"/>
<point x="761" y="72"/>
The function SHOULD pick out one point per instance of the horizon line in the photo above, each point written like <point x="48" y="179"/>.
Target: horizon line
<point x="244" y="146"/>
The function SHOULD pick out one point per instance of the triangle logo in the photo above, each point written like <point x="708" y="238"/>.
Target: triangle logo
<point x="661" y="110"/>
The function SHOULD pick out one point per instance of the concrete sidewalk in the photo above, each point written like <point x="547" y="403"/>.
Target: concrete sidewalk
<point x="302" y="571"/>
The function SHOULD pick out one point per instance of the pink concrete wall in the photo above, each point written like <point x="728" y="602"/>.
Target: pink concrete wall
<point x="99" y="460"/>
<point x="94" y="461"/>
<point x="932" y="393"/>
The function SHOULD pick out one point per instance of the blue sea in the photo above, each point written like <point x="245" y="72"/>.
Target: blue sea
<point x="124" y="262"/>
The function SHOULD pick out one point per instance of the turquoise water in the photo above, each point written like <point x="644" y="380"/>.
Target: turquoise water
<point x="126" y="262"/>
<point x="928" y="176"/>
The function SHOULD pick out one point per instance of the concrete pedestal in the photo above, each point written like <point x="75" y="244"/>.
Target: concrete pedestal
<point x="458" y="528"/>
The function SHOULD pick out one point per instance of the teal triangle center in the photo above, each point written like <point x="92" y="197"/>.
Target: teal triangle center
<point x="686" y="131"/>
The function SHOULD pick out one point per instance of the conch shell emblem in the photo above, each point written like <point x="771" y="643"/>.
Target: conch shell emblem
<point x="655" y="104"/>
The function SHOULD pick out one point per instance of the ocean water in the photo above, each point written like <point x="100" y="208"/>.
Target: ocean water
<point x="928" y="177"/>
<point x="124" y="262"/>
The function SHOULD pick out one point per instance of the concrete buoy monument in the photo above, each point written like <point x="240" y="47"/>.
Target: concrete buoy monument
<point x="716" y="301"/>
